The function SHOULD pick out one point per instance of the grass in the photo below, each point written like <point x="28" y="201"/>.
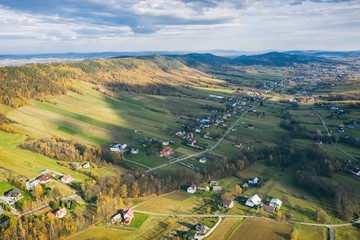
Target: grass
<point x="152" y="228"/>
<point x="303" y="232"/>
<point x="4" y="187"/>
<point x="262" y="230"/>
<point x="224" y="230"/>
<point x="347" y="233"/>
<point x="138" y="220"/>
<point x="26" y="163"/>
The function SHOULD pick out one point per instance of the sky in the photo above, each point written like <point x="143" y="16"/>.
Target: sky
<point x="60" y="26"/>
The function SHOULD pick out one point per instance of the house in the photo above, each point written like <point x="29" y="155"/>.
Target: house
<point x="355" y="171"/>
<point x="201" y="229"/>
<point x="214" y="183"/>
<point x="198" y="130"/>
<point x="227" y="203"/>
<point x="166" y="152"/>
<point x="134" y="151"/>
<point x="318" y="142"/>
<point x="205" y="188"/>
<point x="207" y="135"/>
<point x="245" y="185"/>
<point x="31" y="184"/>
<point x="190" y="235"/>
<point x="115" y="148"/>
<point x="67" y="178"/>
<point x="203" y="160"/>
<point x="180" y="134"/>
<point x="128" y="216"/>
<point x="250" y="126"/>
<point x="268" y="208"/>
<point x="276" y="203"/>
<point x="60" y="213"/>
<point x="165" y="143"/>
<point x="14" y="193"/>
<point x="191" y="142"/>
<point x="116" y="217"/>
<point x="238" y="144"/>
<point x="45" y="178"/>
<point x="254" y="180"/>
<point x="253" y="201"/>
<point x="86" y="165"/>
<point x="217" y="189"/>
<point x="50" y="215"/>
<point x="191" y="189"/>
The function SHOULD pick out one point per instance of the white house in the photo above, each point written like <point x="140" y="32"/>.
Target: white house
<point x="203" y="160"/>
<point x="275" y="202"/>
<point x="116" y="217"/>
<point x="191" y="189"/>
<point x="86" y="165"/>
<point x="165" y="143"/>
<point x="118" y="147"/>
<point x="67" y="178"/>
<point x="253" y="201"/>
<point x="227" y="203"/>
<point x="134" y="151"/>
<point x="61" y="213"/>
<point x="31" y="184"/>
<point x="254" y="180"/>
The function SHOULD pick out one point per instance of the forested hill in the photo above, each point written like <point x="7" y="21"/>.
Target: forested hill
<point x="154" y="75"/>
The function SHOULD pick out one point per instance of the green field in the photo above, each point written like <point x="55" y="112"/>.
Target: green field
<point x="26" y="163"/>
<point x="303" y="232"/>
<point x="347" y="233"/>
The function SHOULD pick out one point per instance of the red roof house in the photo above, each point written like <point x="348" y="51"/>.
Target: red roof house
<point x="166" y="152"/>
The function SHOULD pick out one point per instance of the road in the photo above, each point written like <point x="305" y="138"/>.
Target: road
<point x="206" y="150"/>
<point x="244" y="216"/>
<point x="334" y="144"/>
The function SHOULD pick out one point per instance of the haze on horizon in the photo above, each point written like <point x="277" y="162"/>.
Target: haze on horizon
<point x="52" y="26"/>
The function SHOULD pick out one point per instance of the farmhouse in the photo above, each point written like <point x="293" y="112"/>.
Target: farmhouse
<point x="318" y="142"/>
<point x="134" y="151"/>
<point x="67" y="178"/>
<point x="198" y="130"/>
<point x="45" y="178"/>
<point x="191" y="189"/>
<point x="275" y="202"/>
<point x="128" y="216"/>
<point x="227" y="203"/>
<point x="250" y="126"/>
<point x="207" y="135"/>
<point x="214" y="183"/>
<point x="203" y="160"/>
<point x="31" y="184"/>
<point x="355" y="171"/>
<point x="253" y="181"/>
<point x="205" y="188"/>
<point x="86" y="165"/>
<point x="238" y="144"/>
<point x="253" y="201"/>
<point x="118" y="147"/>
<point x="14" y="193"/>
<point x="201" y="228"/>
<point x="166" y="152"/>
<point x="165" y="143"/>
<point x="50" y="215"/>
<point x="217" y="189"/>
<point x="116" y="217"/>
<point x="245" y="185"/>
<point x="180" y="134"/>
<point x="60" y="213"/>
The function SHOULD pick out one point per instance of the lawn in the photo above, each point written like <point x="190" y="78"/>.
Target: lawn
<point x="152" y="228"/>
<point x="347" y="233"/>
<point x="163" y="204"/>
<point x="180" y="196"/>
<point x="262" y="230"/>
<point x="225" y="229"/>
<point x="27" y="163"/>
<point x="303" y="232"/>
<point x="4" y="187"/>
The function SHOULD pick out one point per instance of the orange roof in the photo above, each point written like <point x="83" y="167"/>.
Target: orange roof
<point x="67" y="176"/>
<point x="50" y="215"/>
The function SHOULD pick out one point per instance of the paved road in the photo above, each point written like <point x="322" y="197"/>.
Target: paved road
<point x="206" y="150"/>
<point x="334" y="144"/>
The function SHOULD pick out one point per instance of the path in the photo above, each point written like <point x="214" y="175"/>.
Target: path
<point x="211" y="230"/>
<point x="334" y="144"/>
<point x="331" y="233"/>
<point x="206" y="150"/>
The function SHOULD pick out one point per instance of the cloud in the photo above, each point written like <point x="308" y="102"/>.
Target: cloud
<point x="167" y="22"/>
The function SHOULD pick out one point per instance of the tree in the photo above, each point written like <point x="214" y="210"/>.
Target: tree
<point x="322" y="216"/>
<point x="135" y="189"/>
<point x="38" y="191"/>
<point x="238" y="190"/>
<point x="124" y="191"/>
<point x="56" y="193"/>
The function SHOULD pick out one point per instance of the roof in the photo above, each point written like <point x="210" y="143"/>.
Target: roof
<point x="67" y="176"/>
<point x="268" y="208"/>
<point x="276" y="201"/>
<point x="50" y="215"/>
<point x="45" y="177"/>
<point x="193" y="186"/>
<point x="227" y="202"/>
<point x="255" y="199"/>
<point x="14" y="192"/>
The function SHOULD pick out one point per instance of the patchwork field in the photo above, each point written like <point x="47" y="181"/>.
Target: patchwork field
<point x="347" y="233"/>
<point x="177" y="196"/>
<point x="262" y="230"/>
<point x="225" y="229"/>
<point x="303" y="232"/>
